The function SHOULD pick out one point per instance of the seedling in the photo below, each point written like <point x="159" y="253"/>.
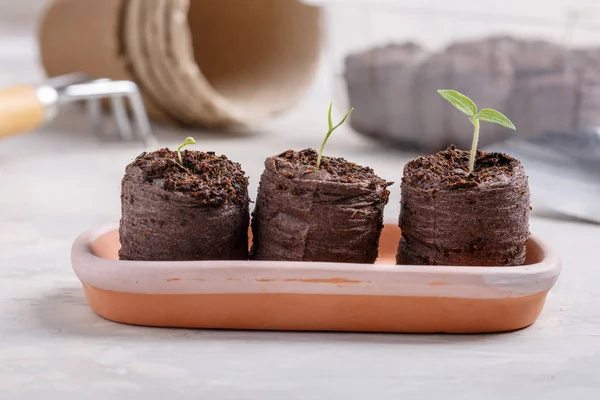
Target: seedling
<point x="331" y="129"/>
<point x="188" y="140"/>
<point x="466" y="105"/>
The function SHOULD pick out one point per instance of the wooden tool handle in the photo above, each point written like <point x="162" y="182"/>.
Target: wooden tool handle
<point x="20" y="110"/>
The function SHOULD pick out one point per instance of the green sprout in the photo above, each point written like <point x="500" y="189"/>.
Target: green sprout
<point x="466" y="105"/>
<point x="331" y="129"/>
<point x="188" y="140"/>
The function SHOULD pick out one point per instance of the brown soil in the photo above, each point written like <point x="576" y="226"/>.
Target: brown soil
<point x="449" y="216"/>
<point x="166" y="208"/>
<point x="449" y="170"/>
<point x="302" y="165"/>
<point x="331" y="214"/>
<point x="210" y="179"/>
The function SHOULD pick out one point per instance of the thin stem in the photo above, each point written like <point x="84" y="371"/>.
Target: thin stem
<point x="475" y="122"/>
<point x="330" y="131"/>
<point x="321" y="150"/>
<point x="179" y="153"/>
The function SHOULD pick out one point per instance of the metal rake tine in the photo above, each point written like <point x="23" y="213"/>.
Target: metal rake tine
<point x="141" y="117"/>
<point x="94" y="110"/>
<point x="97" y="89"/>
<point x="121" y="117"/>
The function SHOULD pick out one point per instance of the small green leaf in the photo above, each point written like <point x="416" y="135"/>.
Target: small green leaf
<point x="464" y="104"/>
<point x="342" y="121"/>
<point x="329" y="116"/>
<point x="188" y="140"/>
<point x="460" y="101"/>
<point x="493" y="116"/>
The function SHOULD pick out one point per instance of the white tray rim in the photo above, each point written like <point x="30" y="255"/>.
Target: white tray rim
<point x="256" y="277"/>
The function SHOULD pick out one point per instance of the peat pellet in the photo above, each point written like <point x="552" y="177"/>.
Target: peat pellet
<point x="196" y="210"/>
<point x="449" y="216"/>
<point x="333" y="214"/>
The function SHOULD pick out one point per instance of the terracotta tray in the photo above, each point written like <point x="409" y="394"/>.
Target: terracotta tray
<point x="313" y="296"/>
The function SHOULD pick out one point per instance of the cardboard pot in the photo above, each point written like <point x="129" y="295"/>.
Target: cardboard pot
<point x="199" y="62"/>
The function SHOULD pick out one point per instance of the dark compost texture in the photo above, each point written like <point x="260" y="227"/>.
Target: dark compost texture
<point x="449" y="216"/>
<point x="197" y="210"/>
<point x="334" y="213"/>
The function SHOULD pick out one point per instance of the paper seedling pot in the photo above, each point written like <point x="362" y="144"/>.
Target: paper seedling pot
<point x="205" y="62"/>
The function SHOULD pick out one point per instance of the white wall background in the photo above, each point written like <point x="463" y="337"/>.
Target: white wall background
<point x="357" y="24"/>
<point x="359" y="21"/>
